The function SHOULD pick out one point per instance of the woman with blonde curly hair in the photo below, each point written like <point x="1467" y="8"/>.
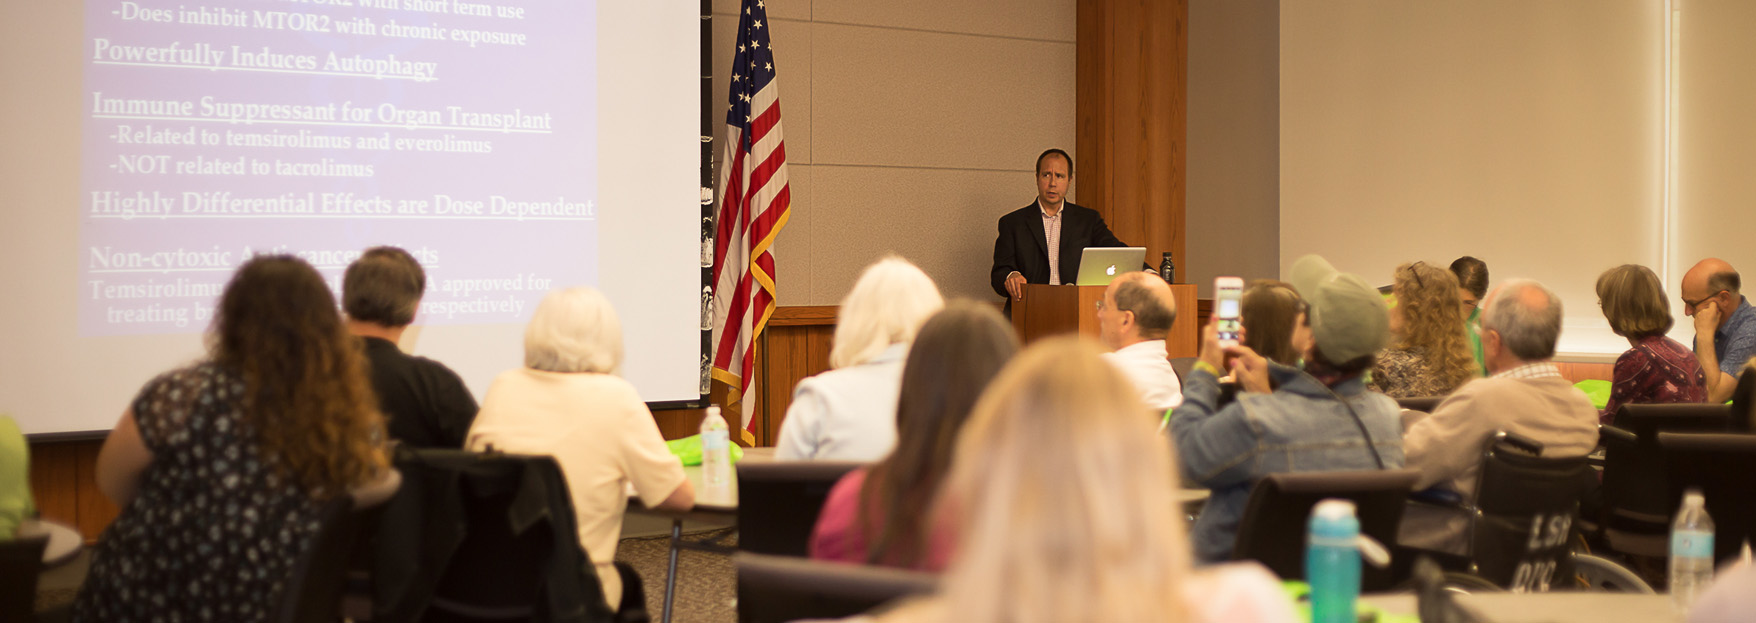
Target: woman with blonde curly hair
<point x="222" y="467"/>
<point x="1430" y="353"/>
<point x="1066" y="509"/>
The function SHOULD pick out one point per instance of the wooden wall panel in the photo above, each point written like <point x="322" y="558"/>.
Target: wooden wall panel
<point x="63" y="480"/>
<point x="1577" y="372"/>
<point x="95" y="510"/>
<point x="1131" y="87"/>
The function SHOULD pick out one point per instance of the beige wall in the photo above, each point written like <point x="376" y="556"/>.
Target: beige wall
<point x="1716" y="143"/>
<point x="911" y="126"/>
<point x="1529" y="134"/>
<point x="1234" y="142"/>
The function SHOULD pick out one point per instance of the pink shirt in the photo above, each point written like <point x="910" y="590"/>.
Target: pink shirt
<point x="838" y="538"/>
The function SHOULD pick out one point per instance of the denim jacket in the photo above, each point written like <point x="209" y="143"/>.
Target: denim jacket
<point x="1300" y="427"/>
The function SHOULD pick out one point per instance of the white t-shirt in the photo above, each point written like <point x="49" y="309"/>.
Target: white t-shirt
<point x="1145" y="364"/>
<point x="602" y="436"/>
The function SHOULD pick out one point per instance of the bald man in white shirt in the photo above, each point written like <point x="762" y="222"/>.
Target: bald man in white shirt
<point x="1133" y="319"/>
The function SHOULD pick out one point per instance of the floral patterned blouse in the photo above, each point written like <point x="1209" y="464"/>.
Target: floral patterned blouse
<point x="1657" y="370"/>
<point x="213" y="530"/>
<point x="1405" y="373"/>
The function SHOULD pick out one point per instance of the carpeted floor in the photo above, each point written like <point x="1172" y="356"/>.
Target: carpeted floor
<point x="707" y="585"/>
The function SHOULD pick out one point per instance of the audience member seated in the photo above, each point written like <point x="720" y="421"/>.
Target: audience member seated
<point x="849" y="412"/>
<point x="220" y="468"/>
<point x="15" y="499"/>
<point x="1318" y="419"/>
<point x="1521" y="322"/>
<point x="568" y="402"/>
<point x="1430" y="355"/>
<point x="1270" y="315"/>
<point x="1472" y="285"/>
<point x="1066" y="508"/>
<point x="1657" y="369"/>
<point x="1725" y="324"/>
<point x="1133" y="319"/>
<point x="878" y="515"/>
<point x="425" y="404"/>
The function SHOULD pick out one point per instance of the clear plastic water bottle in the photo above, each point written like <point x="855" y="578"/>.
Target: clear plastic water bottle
<point x="1167" y="269"/>
<point x="1691" y="551"/>
<point x="716" y="449"/>
<point x="1332" y="562"/>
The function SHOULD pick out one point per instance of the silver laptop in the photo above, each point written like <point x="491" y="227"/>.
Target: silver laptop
<point x="1099" y="265"/>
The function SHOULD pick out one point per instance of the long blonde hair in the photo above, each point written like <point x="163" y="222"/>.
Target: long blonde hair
<point x="1432" y="320"/>
<point x="1064" y="499"/>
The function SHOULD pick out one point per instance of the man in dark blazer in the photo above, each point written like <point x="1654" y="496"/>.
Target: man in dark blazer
<point x="1021" y="252"/>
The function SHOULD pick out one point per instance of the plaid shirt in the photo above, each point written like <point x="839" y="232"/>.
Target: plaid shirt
<point x="1538" y="370"/>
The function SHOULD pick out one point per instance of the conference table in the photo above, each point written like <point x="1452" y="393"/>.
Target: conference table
<point x="1560" y="607"/>
<point x="715" y="505"/>
<point x="718" y="506"/>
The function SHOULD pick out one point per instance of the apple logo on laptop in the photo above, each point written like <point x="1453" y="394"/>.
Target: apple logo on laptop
<point x="1111" y="271"/>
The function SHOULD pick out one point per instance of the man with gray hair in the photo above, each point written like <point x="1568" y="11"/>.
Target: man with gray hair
<point x="1524" y="394"/>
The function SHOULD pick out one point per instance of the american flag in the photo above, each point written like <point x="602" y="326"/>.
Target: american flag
<point x="753" y="206"/>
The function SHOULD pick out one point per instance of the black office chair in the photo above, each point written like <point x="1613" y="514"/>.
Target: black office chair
<point x="1645" y="420"/>
<point x="496" y="539"/>
<point x="1273" y="528"/>
<point x="1720" y="465"/>
<point x="775" y="589"/>
<point x="314" y="587"/>
<point x="1424" y="404"/>
<point x="778" y="503"/>
<point x="21" y="560"/>
<point x="1636" y="509"/>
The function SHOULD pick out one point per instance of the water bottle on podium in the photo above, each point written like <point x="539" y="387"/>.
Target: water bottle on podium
<point x="716" y="449"/>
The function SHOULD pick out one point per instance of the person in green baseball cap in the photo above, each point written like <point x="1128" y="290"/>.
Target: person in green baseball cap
<point x="1319" y="418"/>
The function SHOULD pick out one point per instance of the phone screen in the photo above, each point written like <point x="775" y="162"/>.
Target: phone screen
<point x="1228" y="293"/>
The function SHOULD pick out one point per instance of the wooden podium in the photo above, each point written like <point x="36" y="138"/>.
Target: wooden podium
<point x="1051" y="310"/>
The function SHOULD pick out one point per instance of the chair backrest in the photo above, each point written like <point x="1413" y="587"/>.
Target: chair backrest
<point x="1273" y="528"/>
<point x="1523" y="514"/>
<point x="1720" y="465"/>
<point x="518" y="548"/>
<point x="21" y="560"/>
<point x="1634" y="483"/>
<point x="313" y="589"/>
<point x="774" y="589"/>
<point x="1647" y="420"/>
<point x="1425" y="404"/>
<point x="778" y="503"/>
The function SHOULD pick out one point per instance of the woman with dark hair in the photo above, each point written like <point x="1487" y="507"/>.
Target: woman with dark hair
<point x="1472" y="286"/>
<point x="1656" y="369"/>
<point x="221" y="467"/>
<point x="878" y="515"/>
<point x="1271" y="318"/>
